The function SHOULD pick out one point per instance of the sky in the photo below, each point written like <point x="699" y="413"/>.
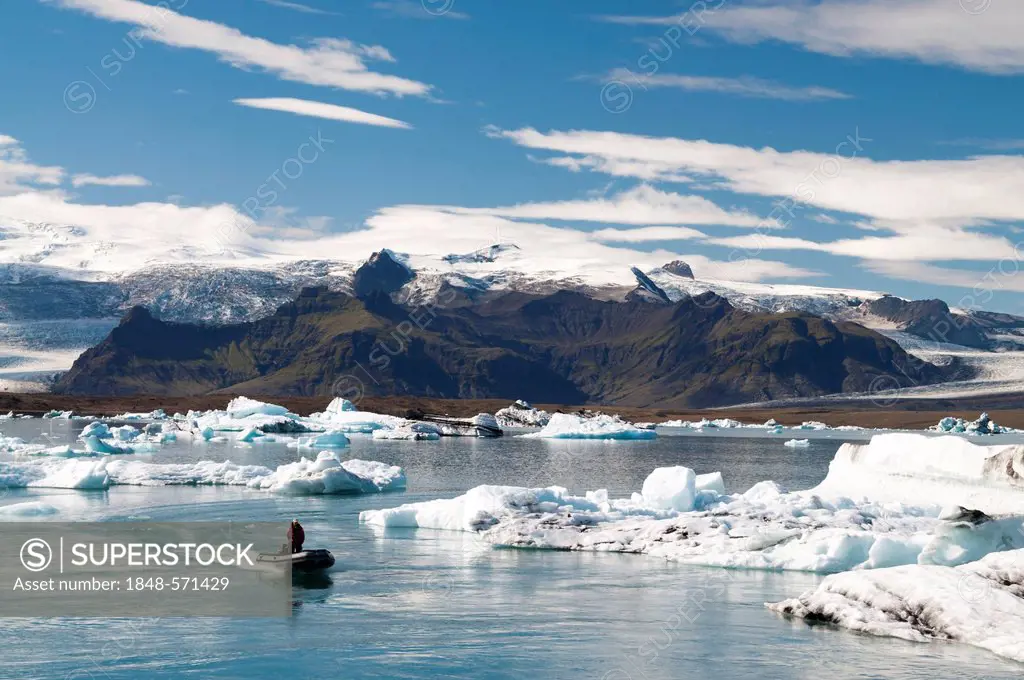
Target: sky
<point x="867" y="144"/>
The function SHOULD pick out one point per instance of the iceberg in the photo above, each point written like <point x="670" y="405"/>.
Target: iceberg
<point x="341" y="415"/>
<point x="980" y="603"/>
<point x="984" y="425"/>
<point x="329" y="475"/>
<point x="412" y="432"/>
<point x="332" y="439"/>
<point x="243" y="407"/>
<point x="798" y="443"/>
<point x="867" y="514"/>
<point x="568" y="426"/>
<point x="96" y="445"/>
<point x="31" y="509"/>
<point x="521" y="414"/>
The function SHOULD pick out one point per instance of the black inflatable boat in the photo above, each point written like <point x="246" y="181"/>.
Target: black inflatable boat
<point x="303" y="562"/>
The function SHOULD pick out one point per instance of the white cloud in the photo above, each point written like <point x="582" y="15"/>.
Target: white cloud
<point x="113" y="181"/>
<point x="296" y="6"/>
<point x="643" y="204"/>
<point x="986" y="39"/>
<point x="18" y="174"/>
<point x="982" y="283"/>
<point x="644" y="234"/>
<point x="899" y="193"/>
<point x="305" y="107"/>
<point x="329" y="62"/>
<point x="743" y="86"/>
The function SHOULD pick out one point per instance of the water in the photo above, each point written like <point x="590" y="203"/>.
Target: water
<point x="426" y="604"/>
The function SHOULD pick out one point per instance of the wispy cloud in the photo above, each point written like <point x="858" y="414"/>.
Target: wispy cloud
<point x="977" y="35"/>
<point x="643" y="204"/>
<point x="112" y="181"/>
<point x="646" y="234"/>
<point x="427" y="9"/>
<point x="18" y="173"/>
<point x="305" y="107"/>
<point x="296" y="6"/>
<point x="743" y="86"/>
<point x="329" y="62"/>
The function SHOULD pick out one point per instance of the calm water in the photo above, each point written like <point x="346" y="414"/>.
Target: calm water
<point x="426" y="604"/>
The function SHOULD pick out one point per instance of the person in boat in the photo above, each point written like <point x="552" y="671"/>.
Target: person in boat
<point x="296" y="536"/>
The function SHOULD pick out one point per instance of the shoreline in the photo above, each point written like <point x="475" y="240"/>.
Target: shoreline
<point x="904" y="414"/>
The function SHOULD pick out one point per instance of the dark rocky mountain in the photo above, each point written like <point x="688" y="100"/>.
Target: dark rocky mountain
<point x="679" y="268"/>
<point x="560" y="348"/>
<point x="382" y="273"/>
<point x="931" y="320"/>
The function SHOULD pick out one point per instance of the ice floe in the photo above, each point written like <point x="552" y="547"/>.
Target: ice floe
<point x="325" y="475"/>
<point x="329" y="475"/>
<point x="521" y="414"/>
<point x="569" y="426"/>
<point x="984" y="425"/>
<point x="857" y="519"/>
<point x="798" y="443"/>
<point x="414" y="432"/>
<point x="980" y="603"/>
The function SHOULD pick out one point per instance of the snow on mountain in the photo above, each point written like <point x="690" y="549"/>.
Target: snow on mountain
<point x="62" y="288"/>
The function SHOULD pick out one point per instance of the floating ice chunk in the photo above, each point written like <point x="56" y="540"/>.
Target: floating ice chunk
<point x="568" y="426"/>
<point x="31" y="509"/>
<point x="243" y="407"/>
<point x="412" y="432"/>
<point x="203" y="473"/>
<point x="980" y="604"/>
<point x="929" y="471"/>
<point x="984" y="425"/>
<point x="125" y="433"/>
<point x="59" y="415"/>
<point x="478" y="508"/>
<point x="342" y="416"/>
<point x="332" y="439"/>
<point x="249" y="435"/>
<point x="798" y="443"/>
<point x="329" y="475"/>
<point x="670" y="488"/>
<point x="710" y="482"/>
<point x="157" y="414"/>
<point x="813" y="425"/>
<point x="340" y="405"/>
<point x="94" y="444"/>
<point x="95" y="429"/>
<point x="522" y="414"/>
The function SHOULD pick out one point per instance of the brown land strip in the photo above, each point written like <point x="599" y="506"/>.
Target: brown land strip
<point x="1006" y="410"/>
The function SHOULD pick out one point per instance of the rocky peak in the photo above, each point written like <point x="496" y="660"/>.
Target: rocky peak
<point x="382" y="273"/>
<point x="679" y="268"/>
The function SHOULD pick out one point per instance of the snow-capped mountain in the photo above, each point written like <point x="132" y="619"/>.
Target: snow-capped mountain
<point x="61" y="292"/>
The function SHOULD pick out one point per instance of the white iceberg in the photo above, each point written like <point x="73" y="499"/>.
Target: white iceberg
<point x="342" y="416"/>
<point x="568" y="426"/>
<point x="243" y="407"/>
<point x="332" y="439"/>
<point x="980" y="603"/>
<point x="329" y="475"/>
<point x="243" y="413"/>
<point x="521" y="414"/>
<point x="411" y="432"/>
<point x="798" y="443"/>
<point x="856" y="519"/>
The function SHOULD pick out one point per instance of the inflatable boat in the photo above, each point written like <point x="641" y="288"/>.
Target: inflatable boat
<point x="303" y="562"/>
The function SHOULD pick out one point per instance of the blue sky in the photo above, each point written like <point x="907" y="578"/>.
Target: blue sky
<point x="466" y="119"/>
